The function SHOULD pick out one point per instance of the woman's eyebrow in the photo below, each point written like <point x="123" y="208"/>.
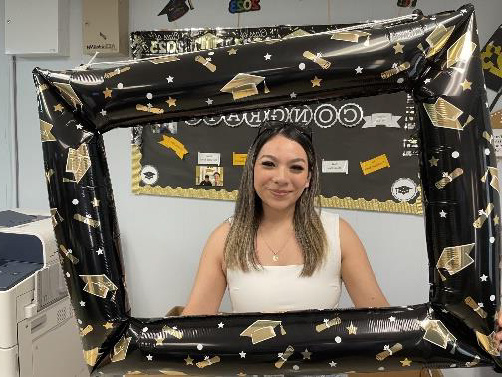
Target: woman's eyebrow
<point x="299" y="159"/>
<point x="268" y="156"/>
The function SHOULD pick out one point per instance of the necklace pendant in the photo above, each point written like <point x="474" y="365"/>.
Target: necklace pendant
<point x="275" y="258"/>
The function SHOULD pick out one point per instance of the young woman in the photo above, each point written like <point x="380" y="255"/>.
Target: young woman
<point x="279" y="252"/>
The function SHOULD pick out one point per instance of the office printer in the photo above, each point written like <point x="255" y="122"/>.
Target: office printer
<point x="38" y="333"/>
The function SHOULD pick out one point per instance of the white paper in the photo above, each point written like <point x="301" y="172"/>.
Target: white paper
<point x="335" y="166"/>
<point x="208" y="158"/>
<point x="497" y="141"/>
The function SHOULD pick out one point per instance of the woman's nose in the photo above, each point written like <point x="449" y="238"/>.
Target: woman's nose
<point x="280" y="176"/>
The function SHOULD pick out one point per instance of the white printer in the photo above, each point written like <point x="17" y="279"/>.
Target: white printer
<point x="38" y="333"/>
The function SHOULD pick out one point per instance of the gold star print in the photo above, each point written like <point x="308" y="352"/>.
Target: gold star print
<point x="95" y="202"/>
<point x="466" y="85"/>
<point x="58" y="107"/>
<point x="108" y="325"/>
<point x="232" y="51"/>
<point x="306" y="354"/>
<point x="171" y="101"/>
<point x="496" y="220"/>
<point x="107" y="93"/>
<point x="406" y="362"/>
<point x="316" y="81"/>
<point x="398" y="48"/>
<point x="189" y="360"/>
<point x="159" y="341"/>
<point x="433" y="161"/>
<point x="352" y="329"/>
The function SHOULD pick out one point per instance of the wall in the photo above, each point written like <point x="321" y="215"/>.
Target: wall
<point x="6" y="150"/>
<point x="162" y="237"/>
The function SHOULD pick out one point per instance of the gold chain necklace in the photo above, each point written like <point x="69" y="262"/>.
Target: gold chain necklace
<point x="275" y="257"/>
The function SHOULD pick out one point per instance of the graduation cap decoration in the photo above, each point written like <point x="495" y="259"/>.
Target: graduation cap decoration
<point x="244" y="85"/>
<point x="262" y="330"/>
<point x="176" y="9"/>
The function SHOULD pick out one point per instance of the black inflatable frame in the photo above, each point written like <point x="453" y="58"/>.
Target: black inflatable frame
<point x="435" y="58"/>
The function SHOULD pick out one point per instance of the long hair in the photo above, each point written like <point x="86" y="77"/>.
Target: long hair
<point x="239" y="251"/>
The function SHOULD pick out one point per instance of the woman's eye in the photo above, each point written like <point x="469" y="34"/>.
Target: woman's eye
<point x="267" y="163"/>
<point x="297" y="167"/>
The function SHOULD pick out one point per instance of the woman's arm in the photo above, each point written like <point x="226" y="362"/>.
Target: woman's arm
<point x="357" y="273"/>
<point x="210" y="282"/>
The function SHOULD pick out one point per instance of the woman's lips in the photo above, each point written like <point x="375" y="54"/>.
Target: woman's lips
<point x="279" y="192"/>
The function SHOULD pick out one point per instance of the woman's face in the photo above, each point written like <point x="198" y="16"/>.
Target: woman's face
<point x="281" y="173"/>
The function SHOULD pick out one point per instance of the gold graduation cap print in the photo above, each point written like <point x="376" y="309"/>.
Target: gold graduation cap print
<point x="437" y="333"/>
<point x="46" y="131"/>
<point x="460" y="51"/>
<point x="444" y="114"/>
<point x="351" y="36"/>
<point x="68" y="94"/>
<point x="120" y="349"/>
<point x="438" y="38"/>
<point x="91" y="356"/>
<point x="244" y="85"/>
<point x="296" y="33"/>
<point x="98" y="285"/>
<point x="78" y="161"/>
<point x="56" y="217"/>
<point x="208" y="41"/>
<point x="455" y="258"/>
<point x="262" y="330"/>
<point x="488" y="342"/>
<point x="494" y="173"/>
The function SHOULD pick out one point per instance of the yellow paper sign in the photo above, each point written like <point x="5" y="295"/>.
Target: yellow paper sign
<point x="375" y="164"/>
<point x="175" y="145"/>
<point x="239" y="159"/>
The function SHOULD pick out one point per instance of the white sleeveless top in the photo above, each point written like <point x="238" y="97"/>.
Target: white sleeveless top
<point x="280" y="288"/>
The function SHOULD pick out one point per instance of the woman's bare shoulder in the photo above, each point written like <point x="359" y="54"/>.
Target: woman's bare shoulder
<point x="216" y="242"/>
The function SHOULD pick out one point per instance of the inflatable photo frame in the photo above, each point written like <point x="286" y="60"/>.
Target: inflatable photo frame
<point x="435" y="58"/>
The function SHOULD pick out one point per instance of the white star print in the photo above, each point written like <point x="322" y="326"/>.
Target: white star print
<point x="79" y="126"/>
<point x="267" y="57"/>
<point x="426" y="81"/>
<point x="82" y="303"/>
<point x="99" y="251"/>
<point x="67" y="274"/>
<point x="170" y="79"/>
<point x="145" y="329"/>
<point x="209" y="101"/>
<point x="480" y="304"/>
<point x="220" y="325"/>
<point x="149" y="357"/>
<point x="359" y="69"/>
<point x="442" y="214"/>
<point x="392" y="318"/>
<point x="103" y="112"/>
<point x="293" y="95"/>
<point x="483" y="277"/>
<point x="243" y="354"/>
<point x="332" y="364"/>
